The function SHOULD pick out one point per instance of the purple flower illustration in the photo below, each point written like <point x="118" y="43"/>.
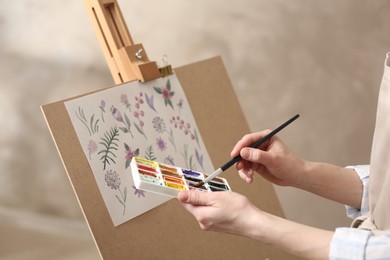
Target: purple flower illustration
<point x="169" y="160"/>
<point x="138" y="192"/>
<point x="130" y="154"/>
<point x="116" y="114"/>
<point x="118" y="117"/>
<point x="114" y="182"/>
<point x="161" y="144"/>
<point x="92" y="147"/>
<point x="159" y="124"/>
<point x="160" y="127"/>
<point x="150" y="101"/>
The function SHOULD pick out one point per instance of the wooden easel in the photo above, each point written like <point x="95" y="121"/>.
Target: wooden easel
<point x="127" y="61"/>
<point x="151" y="236"/>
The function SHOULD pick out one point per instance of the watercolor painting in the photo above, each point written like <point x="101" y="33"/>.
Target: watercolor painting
<point x="152" y="120"/>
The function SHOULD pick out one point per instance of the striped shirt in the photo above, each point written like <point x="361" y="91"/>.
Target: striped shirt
<point x="354" y="243"/>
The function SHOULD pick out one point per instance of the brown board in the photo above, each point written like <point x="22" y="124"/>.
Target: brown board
<point x="169" y="231"/>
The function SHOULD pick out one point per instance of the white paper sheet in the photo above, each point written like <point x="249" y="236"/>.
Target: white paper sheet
<point x="152" y="120"/>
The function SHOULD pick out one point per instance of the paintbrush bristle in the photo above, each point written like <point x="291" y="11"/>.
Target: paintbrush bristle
<point x="199" y="184"/>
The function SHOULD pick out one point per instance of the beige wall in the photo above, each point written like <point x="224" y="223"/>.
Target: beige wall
<point x="322" y="59"/>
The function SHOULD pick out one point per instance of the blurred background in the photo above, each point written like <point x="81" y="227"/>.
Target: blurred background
<point x="322" y="59"/>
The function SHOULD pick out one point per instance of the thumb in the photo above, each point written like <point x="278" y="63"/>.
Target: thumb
<point x="197" y="198"/>
<point x="255" y="155"/>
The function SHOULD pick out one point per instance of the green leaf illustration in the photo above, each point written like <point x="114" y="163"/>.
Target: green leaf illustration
<point x="149" y="154"/>
<point x="158" y="90"/>
<point x="109" y="141"/>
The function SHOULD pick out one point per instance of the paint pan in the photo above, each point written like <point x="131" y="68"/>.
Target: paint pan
<point x="212" y="188"/>
<point x="173" y="179"/>
<point x="190" y="178"/>
<point x="217" y="184"/>
<point x="191" y="186"/>
<point x="192" y="173"/>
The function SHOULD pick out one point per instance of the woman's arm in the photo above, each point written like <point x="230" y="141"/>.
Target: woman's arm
<point x="278" y="164"/>
<point x="332" y="182"/>
<point x="232" y="213"/>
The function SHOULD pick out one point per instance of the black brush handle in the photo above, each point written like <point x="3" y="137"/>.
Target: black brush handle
<point x="259" y="142"/>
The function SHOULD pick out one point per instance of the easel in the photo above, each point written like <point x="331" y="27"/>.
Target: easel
<point x="149" y="236"/>
<point x="127" y="61"/>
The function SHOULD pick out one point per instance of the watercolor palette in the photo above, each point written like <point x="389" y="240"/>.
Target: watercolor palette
<point x="170" y="180"/>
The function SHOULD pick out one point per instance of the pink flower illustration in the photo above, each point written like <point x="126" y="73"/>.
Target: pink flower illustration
<point x="166" y="92"/>
<point x="139" y="113"/>
<point x="125" y="101"/>
<point x="92" y="147"/>
<point x="130" y="154"/>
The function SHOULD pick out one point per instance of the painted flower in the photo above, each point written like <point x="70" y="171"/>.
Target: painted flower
<point x="161" y="144"/>
<point x="102" y="105"/>
<point x="139" y="113"/>
<point x="138" y="192"/>
<point x="125" y="101"/>
<point x="130" y="154"/>
<point x="116" y="114"/>
<point x="92" y="147"/>
<point x="113" y="180"/>
<point x="159" y="124"/>
<point x="166" y="92"/>
<point x="169" y="160"/>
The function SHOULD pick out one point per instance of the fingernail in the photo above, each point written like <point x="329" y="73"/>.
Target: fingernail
<point x="245" y="153"/>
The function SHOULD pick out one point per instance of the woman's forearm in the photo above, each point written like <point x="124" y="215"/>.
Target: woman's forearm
<point x="296" y="239"/>
<point x="329" y="181"/>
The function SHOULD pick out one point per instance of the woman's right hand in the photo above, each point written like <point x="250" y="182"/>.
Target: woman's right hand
<point x="273" y="160"/>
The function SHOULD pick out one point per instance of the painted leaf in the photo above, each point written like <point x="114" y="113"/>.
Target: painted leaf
<point x="158" y="90"/>
<point x="109" y="141"/>
<point x="127" y="120"/>
<point x="124" y="129"/>
<point x="168" y="84"/>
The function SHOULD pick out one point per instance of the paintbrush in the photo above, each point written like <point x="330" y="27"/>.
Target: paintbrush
<point x="238" y="157"/>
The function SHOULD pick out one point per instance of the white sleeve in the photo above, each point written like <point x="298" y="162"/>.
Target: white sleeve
<point x="353" y="243"/>
<point x="363" y="171"/>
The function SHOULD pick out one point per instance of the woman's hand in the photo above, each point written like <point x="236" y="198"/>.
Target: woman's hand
<point x="227" y="212"/>
<point x="273" y="160"/>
